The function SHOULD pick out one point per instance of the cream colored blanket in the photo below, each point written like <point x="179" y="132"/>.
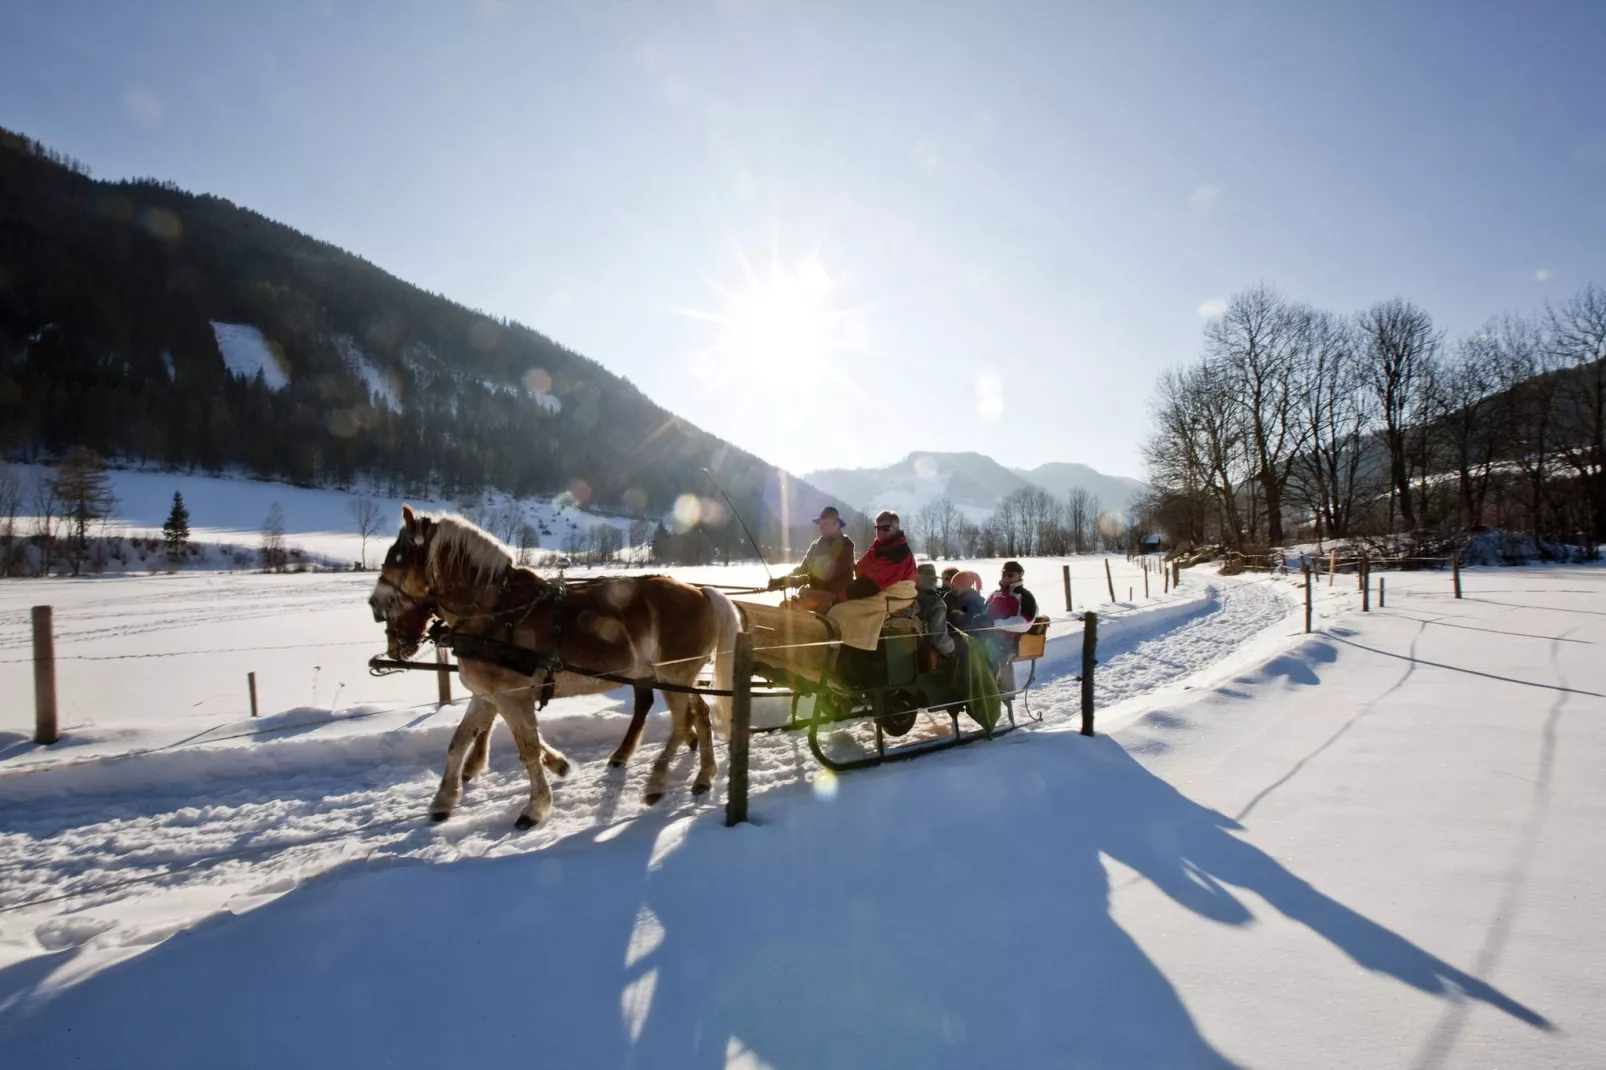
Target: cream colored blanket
<point x="860" y="619"/>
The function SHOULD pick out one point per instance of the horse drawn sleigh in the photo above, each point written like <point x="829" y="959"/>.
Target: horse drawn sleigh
<point x="521" y="640"/>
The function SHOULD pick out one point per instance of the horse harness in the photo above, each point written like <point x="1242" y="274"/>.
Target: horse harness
<point x="507" y="654"/>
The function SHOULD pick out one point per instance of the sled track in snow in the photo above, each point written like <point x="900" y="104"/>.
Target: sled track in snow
<point x="220" y="835"/>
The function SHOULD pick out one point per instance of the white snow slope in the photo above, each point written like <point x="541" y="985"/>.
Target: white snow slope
<point x="247" y="351"/>
<point x="1373" y="846"/>
<point x="230" y="510"/>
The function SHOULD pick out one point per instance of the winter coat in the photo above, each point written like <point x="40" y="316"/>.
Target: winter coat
<point x="966" y="609"/>
<point x="1012" y="607"/>
<point x="828" y="564"/>
<point x="933" y="613"/>
<point x="889" y="560"/>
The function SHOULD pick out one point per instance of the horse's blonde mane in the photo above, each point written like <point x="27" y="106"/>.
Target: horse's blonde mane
<point x="459" y="543"/>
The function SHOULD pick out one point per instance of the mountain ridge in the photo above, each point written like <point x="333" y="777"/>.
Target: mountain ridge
<point x="147" y="322"/>
<point x="972" y="481"/>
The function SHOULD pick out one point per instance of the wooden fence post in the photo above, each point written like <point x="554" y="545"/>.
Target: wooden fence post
<point x="741" y="730"/>
<point x="1366" y="586"/>
<point x="1382" y="592"/>
<point x="1360" y="573"/>
<point x="251" y="686"/>
<point x="1455" y="569"/>
<point x="1067" y="569"/>
<point x="1109" y="579"/>
<point x="1332" y="567"/>
<point x="1308" y="571"/>
<point x="445" y="686"/>
<point x="1090" y="646"/>
<point x="44" y="676"/>
<point x="1165" y="577"/>
<point x="1145" y="580"/>
<point x="1176" y="573"/>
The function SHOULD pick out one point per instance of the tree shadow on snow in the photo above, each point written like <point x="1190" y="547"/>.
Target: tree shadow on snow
<point x="954" y="916"/>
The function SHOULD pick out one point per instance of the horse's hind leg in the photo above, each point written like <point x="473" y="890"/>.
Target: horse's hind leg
<point x="679" y="731"/>
<point x="638" y="719"/>
<point x="477" y="719"/>
<point x="707" y="767"/>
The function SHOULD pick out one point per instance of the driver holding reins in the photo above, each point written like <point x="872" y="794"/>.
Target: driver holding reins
<point x="826" y="569"/>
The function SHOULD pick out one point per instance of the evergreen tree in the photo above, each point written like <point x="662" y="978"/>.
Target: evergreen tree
<point x="176" y="531"/>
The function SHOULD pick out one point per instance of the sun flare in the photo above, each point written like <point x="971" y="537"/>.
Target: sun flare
<point x="782" y="329"/>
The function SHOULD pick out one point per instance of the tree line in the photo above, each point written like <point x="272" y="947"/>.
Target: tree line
<point x="1299" y="422"/>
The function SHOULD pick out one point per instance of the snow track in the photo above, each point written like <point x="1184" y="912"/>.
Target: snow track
<point x="124" y="858"/>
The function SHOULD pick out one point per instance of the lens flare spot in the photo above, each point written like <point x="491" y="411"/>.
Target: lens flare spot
<point x="825" y="785"/>
<point x="687" y="511"/>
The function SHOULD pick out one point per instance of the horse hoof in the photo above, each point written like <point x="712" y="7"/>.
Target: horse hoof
<point x="652" y="797"/>
<point x="561" y="769"/>
<point x="700" y="788"/>
<point x="617" y="762"/>
<point x="438" y="816"/>
<point x="525" y="821"/>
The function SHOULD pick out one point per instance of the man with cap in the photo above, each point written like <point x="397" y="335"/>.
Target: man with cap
<point x="826" y="568"/>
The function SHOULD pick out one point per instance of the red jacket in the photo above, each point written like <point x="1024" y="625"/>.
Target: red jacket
<point x="887" y="561"/>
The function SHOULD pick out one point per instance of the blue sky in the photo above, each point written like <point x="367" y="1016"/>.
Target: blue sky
<point x="834" y="233"/>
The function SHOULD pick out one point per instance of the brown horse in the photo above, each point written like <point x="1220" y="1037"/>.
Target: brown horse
<point x="649" y="629"/>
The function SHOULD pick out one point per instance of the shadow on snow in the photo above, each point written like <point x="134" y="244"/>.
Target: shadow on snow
<point x="938" y="919"/>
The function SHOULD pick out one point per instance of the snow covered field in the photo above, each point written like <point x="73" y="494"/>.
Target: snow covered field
<point x="1368" y="847"/>
<point x="225" y="509"/>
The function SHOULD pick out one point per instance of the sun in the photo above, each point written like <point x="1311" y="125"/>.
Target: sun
<point x="781" y="329"/>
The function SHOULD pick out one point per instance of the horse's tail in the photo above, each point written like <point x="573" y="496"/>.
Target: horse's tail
<point x="727" y="625"/>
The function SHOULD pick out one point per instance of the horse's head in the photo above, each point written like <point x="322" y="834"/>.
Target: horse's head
<point x="402" y="600"/>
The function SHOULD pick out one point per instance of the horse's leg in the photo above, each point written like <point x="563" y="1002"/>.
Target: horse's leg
<point x="518" y="709"/>
<point x="554" y="759"/>
<point x="679" y="730"/>
<point x="478" y="718"/>
<point x="479" y="754"/>
<point x="638" y="720"/>
<point x="707" y="767"/>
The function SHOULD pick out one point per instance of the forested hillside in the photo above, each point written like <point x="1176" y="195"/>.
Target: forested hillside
<point x="118" y="301"/>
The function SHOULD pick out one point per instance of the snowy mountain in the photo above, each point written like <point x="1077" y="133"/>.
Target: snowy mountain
<point x="974" y="482"/>
<point x="1059" y="478"/>
<point x="155" y="326"/>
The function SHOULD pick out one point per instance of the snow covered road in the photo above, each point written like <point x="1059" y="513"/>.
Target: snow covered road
<point x="118" y="853"/>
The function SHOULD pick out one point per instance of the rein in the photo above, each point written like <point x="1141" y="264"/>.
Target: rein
<point x="524" y="661"/>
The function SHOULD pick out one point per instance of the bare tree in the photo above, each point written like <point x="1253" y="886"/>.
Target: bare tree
<point x="1199" y="441"/>
<point x="1578" y="335"/>
<point x="640" y="536"/>
<point x="274" y="554"/>
<point x="1470" y="417"/>
<point x="367" y="516"/>
<point x="1399" y="343"/>
<point x="1081" y="511"/>
<point x="1529" y="361"/>
<point x="1336" y="412"/>
<point x="46" y="527"/>
<point x="84" y="492"/>
<point x="967" y="533"/>
<point x="10" y="506"/>
<point x="1260" y="345"/>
